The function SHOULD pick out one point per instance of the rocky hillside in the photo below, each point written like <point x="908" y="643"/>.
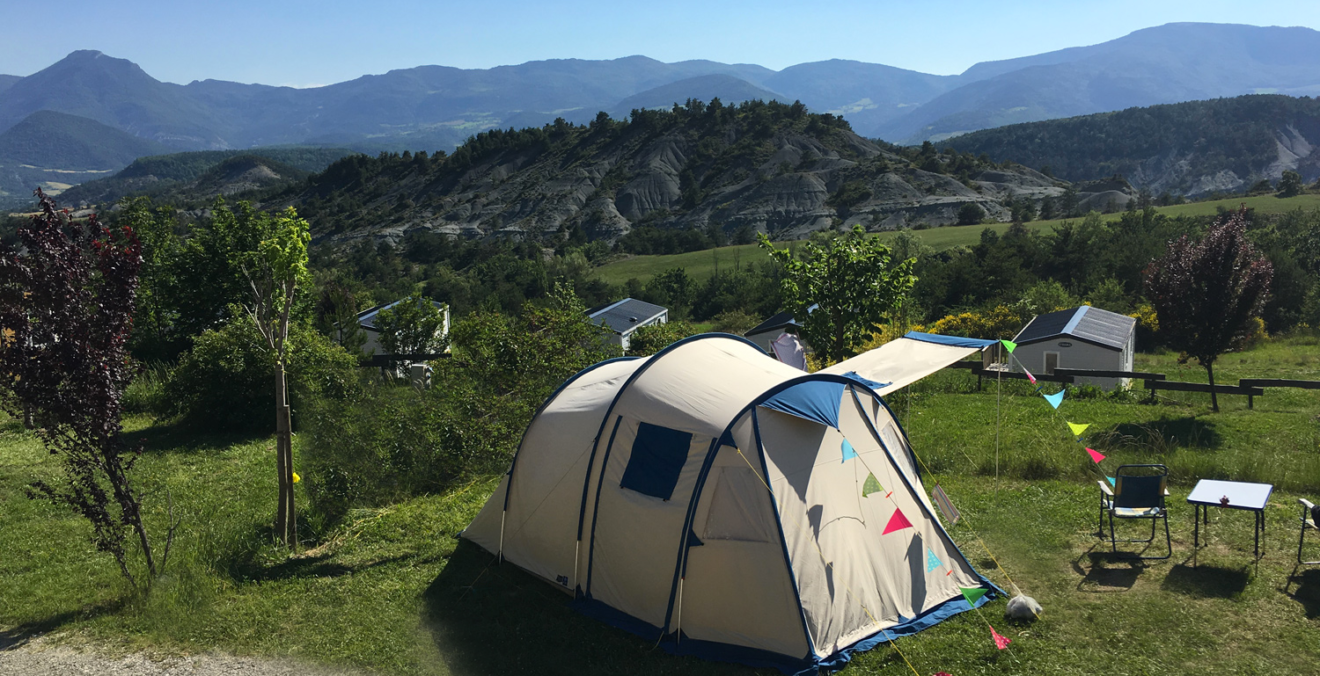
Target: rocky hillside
<point x="1192" y="149"/>
<point x="767" y="166"/>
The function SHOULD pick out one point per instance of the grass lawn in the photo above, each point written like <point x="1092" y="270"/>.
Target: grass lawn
<point x="701" y="264"/>
<point x="392" y="591"/>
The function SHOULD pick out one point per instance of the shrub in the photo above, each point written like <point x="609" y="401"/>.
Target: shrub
<point x="146" y="394"/>
<point x="228" y="378"/>
<point x="998" y="322"/>
<point x="385" y="443"/>
<point x="970" y="213"/>
<point x="649" y="340"/>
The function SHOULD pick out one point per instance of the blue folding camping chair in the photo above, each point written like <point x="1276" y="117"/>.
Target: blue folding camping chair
<point x="1138" y="493"/>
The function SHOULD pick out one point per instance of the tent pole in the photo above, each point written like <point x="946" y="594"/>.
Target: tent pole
<point x="999" y="384"/>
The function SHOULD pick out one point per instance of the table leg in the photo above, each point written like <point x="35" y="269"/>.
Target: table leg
<point x="1255" y="528"/>
<point x="1196" y="526"/>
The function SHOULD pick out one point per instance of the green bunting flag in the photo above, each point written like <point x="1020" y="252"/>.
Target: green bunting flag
<point x="872" y="485"/>
<point x="848" y="451"/>
<point x="1009" y="345"/>
<point x="972" y="595"/>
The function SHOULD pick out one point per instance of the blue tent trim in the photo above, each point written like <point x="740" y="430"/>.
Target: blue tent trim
<point x="955" y="341"/>
<point x="926" y="620"/>
<point x="857" y="378"/>
<point x="817" y="401"/>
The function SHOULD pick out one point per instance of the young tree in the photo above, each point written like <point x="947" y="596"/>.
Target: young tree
<point x="66" y="303"/>
<point x="1206" y="292"/>
<point x="1290" y="185"/>
<point x="841" y="289"/>
<point x="414" y="325"/>
<point x="970" y="213"/>
<point x="273" y="271"/>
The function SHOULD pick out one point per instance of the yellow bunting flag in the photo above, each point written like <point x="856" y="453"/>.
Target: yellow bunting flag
<point x="296" y="478"/>
<point x="1078" y="429"/>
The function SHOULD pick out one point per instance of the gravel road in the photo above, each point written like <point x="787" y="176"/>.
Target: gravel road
<point x="41" y="657"/>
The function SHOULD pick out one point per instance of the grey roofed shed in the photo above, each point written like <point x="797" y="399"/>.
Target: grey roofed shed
<point x="625" y="316"/>
<point x="1085" y="323"/>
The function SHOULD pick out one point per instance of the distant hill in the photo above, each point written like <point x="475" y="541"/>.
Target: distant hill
<point x="55" y="150"/>
<point x="200" y="175"/>
<point x="1184" y="148"/>
<point x="762" y="165"/>
<point x="437" y="107"/>
<point x="726" y="88"/>
<point x="7" y="81"/>
<point x="1167" y="64"/>
<point x="59" y="141"/>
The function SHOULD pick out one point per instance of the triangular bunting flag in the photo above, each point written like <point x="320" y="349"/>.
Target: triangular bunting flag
<point x="1078" y="429"/>
<point x="872" y="485"/>
<point x="946" y="506"/>
<point x="1009" y="345"/>
<point x="1111" y="480"/>
<point x="1054" y="399"/>
<point x="1029" y="376"/>
<point x="897" y="522"/>
<point x="1097" y="456"/>
<point x="1001" y="642"/>
<point x="932" y="561"/>
<point x="848" y="451"/>
<point x="973" y="595"/>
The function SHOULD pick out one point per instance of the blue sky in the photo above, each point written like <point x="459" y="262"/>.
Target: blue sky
<point x="310" y="43"/>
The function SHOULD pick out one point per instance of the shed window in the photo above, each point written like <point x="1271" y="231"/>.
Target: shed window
<point x="658" y="456"/>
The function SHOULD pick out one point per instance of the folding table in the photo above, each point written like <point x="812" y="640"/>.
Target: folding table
<point x="1240" y="495"/>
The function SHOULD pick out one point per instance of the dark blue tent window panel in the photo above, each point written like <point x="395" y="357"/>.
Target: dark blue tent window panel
<point x="658" y="456"/>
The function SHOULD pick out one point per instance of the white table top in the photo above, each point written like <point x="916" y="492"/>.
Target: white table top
<point x="1240" y="495"/>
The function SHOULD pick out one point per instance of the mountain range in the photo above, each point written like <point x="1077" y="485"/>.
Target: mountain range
<point x="436" y="107"/>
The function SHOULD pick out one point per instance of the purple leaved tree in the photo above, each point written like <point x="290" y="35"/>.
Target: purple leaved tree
<point x="1206" y="292"/>
<point x="66" y="308"/>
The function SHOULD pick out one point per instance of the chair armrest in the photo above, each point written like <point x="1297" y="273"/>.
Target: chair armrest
<point x="1166" y="493"/>
<point x="1104" y="488"/>
<point x="1306" y="503"/>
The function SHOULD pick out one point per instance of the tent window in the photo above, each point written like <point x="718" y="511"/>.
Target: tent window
<point x="734" y="512"/>
<point x="658" y="456"/>
<point x="890" y="436"/>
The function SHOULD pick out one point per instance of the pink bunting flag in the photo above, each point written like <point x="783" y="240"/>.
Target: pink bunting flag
<point x="1097" y="456"/>
<point x="1029" y="376"/>
<point x="1001" y="642"/>
<point x="897" y="522"/>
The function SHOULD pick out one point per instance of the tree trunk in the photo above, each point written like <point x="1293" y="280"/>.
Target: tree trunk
<point x="281" y="466"/>
<point x="1214" y="400"/>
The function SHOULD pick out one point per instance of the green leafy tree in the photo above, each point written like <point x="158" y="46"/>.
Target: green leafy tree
<point x="273" y="269"/>
<point x="841" y="289"/>
<point x="649" y="340"/>
<point x="970" y="213"/>
<point x="1290" y="185"/>
<point x="414" y="325"/>
<point x="1207" y="292"/>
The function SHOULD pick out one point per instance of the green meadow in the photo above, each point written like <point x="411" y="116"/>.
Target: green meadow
<point x="392" y="591"/>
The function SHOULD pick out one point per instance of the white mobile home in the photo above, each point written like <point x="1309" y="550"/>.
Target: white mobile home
<point x="1080" y="338"/>
<point x="367" y="321"/>
<point x="624" y="317"/>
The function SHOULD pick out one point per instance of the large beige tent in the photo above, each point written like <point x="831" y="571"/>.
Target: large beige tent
<point x="733" y="507"/>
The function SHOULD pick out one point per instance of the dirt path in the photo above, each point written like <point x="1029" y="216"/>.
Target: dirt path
<point x="42" y="657"/>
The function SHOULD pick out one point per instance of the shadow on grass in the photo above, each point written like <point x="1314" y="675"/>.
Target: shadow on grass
<point x="1206" y="581"/>
<point x="1104" y="571"/>
<point x="1307" y="591"/>
<point x="176" y="437"/>
<point x="488" y="618"/>
<point x="1161" y="435"/>
<point x="17" y="637"/>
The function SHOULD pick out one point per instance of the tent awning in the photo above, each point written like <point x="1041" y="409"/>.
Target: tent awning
<point x="909" y="359"/>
